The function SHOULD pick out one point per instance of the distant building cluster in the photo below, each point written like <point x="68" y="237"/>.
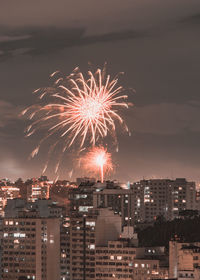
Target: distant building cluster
<point x="140" y="202"/>
<point x="88" y="230"/>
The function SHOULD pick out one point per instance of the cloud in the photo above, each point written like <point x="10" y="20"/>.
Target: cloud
<point x="12" y="38"/>
<point x="35" y="41"/>
<point x="167" y="118"/>
<point x="192" y="19"/>
<point x="8" y="113"/>
<point x="67" y="12"/>
<point x="48" y="32"/>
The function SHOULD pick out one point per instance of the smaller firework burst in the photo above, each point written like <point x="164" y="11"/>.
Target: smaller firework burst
<point x="97" y="160"/>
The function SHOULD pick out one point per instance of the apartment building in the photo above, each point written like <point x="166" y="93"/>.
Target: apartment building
<point x="31" y="247"/>
<point x="162" y="197"/>
<point x="87" y="232"/>
<point x="122" y="260"/>
<point x="184" y="260"/>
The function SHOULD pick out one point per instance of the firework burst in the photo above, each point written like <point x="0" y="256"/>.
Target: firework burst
<point x="97" y="160"/>
<point x="77" y="109"/>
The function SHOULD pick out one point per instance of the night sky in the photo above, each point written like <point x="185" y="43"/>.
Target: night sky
<point x="155" y="42"/>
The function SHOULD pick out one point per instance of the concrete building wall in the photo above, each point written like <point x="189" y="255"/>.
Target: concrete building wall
<point x="53" y="249"/>
<point x="108" y="227"/>
<point x="183" y="257"/>
<point x="118" y="260"/>
<point x="28" y="249"/>
<point x="38" y="255"/>
<point x="163" y="197"/>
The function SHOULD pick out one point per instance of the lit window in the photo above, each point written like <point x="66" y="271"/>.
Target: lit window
<point x="154" y="272"/>
<point x="119" y="257"/>
<point x="90" y="223"/>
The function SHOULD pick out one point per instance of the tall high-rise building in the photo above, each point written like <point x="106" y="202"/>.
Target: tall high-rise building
<point x="87" y="232"/>
<point x="31" y="247"/>
<point x="108" y="194"/>
<point x="65" y="250"/>
<point x="38" y="210"/>
<point x="162" y="197"/>
<point x="121" y="200"/>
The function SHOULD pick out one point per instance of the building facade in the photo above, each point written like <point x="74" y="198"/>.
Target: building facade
<point x="184" y="260"/>
<point x="162" y="197"/>
<point x="31" y="247"/>
<point x="87" y="232"/>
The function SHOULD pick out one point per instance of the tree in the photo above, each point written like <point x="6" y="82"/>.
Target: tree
<point x="19" y="182"/>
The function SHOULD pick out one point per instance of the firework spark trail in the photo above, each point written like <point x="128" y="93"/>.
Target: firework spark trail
<point x="84" y="110"/>
<point x="97" y="160"/>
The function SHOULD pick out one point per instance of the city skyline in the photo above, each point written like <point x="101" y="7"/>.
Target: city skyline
<point x="159" y="52"/>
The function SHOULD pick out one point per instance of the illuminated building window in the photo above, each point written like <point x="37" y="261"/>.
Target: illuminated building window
<point x="90" y="223"/>
<point x="154" y="272"/>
